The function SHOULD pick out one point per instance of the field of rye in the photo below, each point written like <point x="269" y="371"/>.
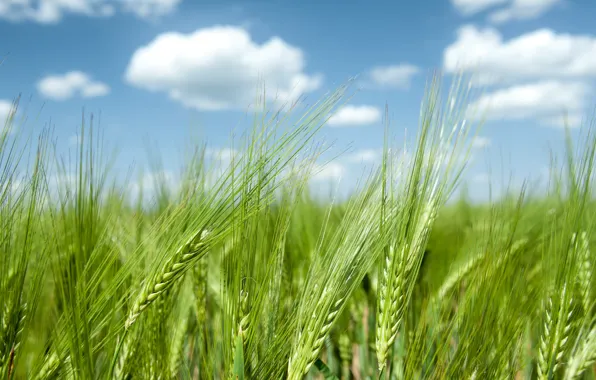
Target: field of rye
<point x="249" y="275"/>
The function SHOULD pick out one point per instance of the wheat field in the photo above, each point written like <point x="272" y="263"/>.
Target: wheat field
<point x="249" y="275"/>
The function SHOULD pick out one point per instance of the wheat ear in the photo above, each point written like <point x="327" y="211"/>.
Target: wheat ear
<point x="583" y="358"/>
<point x="555" y="335"/>
<point x="186" y="255"/>
<point x="585" y="270"/>
<point x="390" y="307"/>
<point x="313" y="339"/>
<point x="177" y="346"/>
<point x="399" y="272"/>
<point x="345" y="354"/>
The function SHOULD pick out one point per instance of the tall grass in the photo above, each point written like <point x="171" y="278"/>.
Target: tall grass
<point x="245" y="273"/>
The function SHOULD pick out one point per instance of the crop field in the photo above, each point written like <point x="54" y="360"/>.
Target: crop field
<point x="246" y="274"/>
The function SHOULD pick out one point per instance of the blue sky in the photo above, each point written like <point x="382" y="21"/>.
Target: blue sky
<point x="162" y="70"/>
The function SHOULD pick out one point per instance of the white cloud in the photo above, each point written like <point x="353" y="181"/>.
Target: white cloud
<point x="6" y="108"/>
<point x="522" y="10"/>
<point x="53" y="11"/>
<point x="470" y="7"/>
<point x="508" y="9"/>
<point x="544" y="101"/>
<point x="328" y="171"/>
<point x="63" y="87"/>
<point x="479" y="142"/>
<point x="219" y="67"/>
<point x="544" y="73"/>
<point x="355" y="115"/>
<point x="44" y="11"/>
<point x="150" y="8"/>
<point x="398" y="76"/>
<point x="95" y="89"/>
<point x="541" y="53"/>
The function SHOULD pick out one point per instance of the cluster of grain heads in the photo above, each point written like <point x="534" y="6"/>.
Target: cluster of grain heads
<point x="263" y="168"/>
<point x="253" y="277"/>
<point x="21" y="257"/>
<point x="414" y="202"/>
<point x="339" y="268"/>
<point x="570" y="264"/>
<point x="556" y="331"/>
<point x="559" y="309"/>
<point x="583" y="355"/>
<point x="244" y="190"/>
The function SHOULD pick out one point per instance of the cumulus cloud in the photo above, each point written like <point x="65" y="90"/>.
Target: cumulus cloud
<point x="538" y="54"/>
<point x="541" y="74"/>
<point x="53" y="11"/>
<point x="218" y="68"/>
<point x="73" y="83"/>
<point x="398" y="76"/>
<point x="545" y="101"/>
<point x="348" y="116"/>
<point x="507" y="9"/>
